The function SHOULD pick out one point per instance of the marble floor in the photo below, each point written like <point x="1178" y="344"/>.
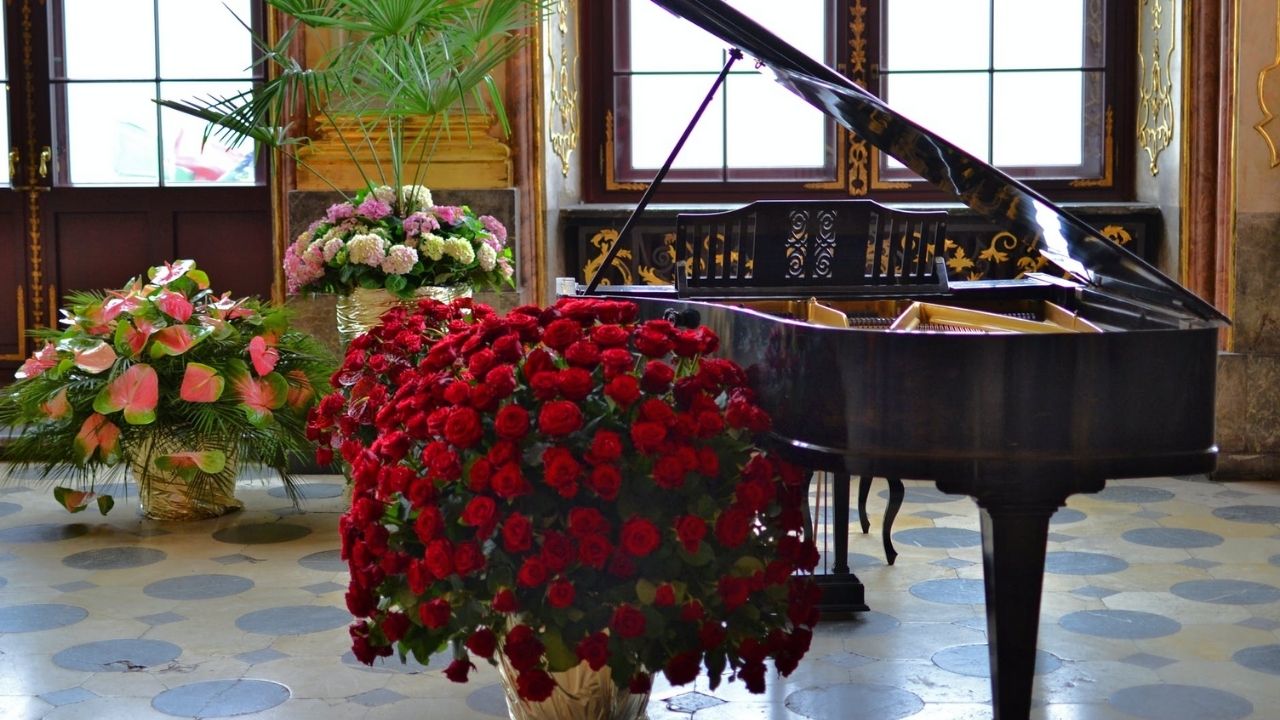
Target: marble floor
<point x="1162" y="601"/>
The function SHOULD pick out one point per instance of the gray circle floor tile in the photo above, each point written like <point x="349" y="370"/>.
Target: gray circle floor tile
<point x="1226" y="592"/>
<point x="392" y="664"/>
<point x="1180" y="702"/>
<point x="198" y="587"/>
<point x="489" y="700"/>
<point x="1122" y="624"/>
<point x="114" y="558"/>
<point x="8" y="508"/>
<point x="863" y="623"/>
<point x="1134" y="494"/>
<point x="1274" y="560"/>
<point x="938" y="537"/>
<point x="41" y="532"/>
<point x="1163" y="537"/>
<point x="324" y="561"/>
<point x="261" y="533"/>
<point x="1262" y="514"/>
<point x="36" y="617"/>
<point x="293" y="620"/>
<point x="309" y="491"/>
<point x="951" y="591"/>
<point x="1066" y="516"/>
<point x="1263" y="658"/>
<point x="126" y="655"/>
<point x="1082" y="563"/>
<point x="3" y="582"/>
<point x="974" y="661"/>
<point x="871" y="701"/>
<point x="220" y="698"/>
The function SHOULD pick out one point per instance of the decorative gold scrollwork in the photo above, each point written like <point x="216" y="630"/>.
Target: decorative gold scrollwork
<point x="603" y="241"/>
<point x="1118" y="233"/>
<point x="1155" y="94"/>
<point x="564" y="86"/>
<point x="1267" y="116"/>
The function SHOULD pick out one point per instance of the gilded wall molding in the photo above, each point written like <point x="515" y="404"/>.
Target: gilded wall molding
<point x="1155" y="91"/>
<point x="610" y="181"/>
<point x="1266" y="78"/>
<point x="859" y="154"/>
<point x="563" y="120"/>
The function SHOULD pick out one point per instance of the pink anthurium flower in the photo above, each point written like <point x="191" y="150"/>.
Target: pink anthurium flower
<point x="174" y="304"/>
<point x="97" y="358"/>
<point x="185" y="464"/>
<point x="167" y="273"/>
<point x="134" y="334"/>
<point x="300" y="390"/>
<point x="56" y="407"/>
<point x="41" y="360"/>
<point x="120" y="303"/>
<point x="136" y="391"/>
<point x="177" y="339"/>
<point x="73" y="500"/>
<point x="100" y="435"/>
<point x="201" y="384"/>
<point x="264" y="356"/>
<point x="259" y="396"/>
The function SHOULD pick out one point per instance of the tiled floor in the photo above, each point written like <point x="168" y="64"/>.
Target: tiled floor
<point x="1162" y="600"/>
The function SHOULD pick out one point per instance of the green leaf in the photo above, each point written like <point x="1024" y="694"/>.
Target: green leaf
<point x="748" y="565"/>
<point x="646" y="591"/>
<point x="73" y="500"/>
<point x="105" y="503"/>
<point x="559" y="656"/>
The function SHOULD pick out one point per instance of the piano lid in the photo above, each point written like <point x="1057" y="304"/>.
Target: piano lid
<point x="1058" y="236"/>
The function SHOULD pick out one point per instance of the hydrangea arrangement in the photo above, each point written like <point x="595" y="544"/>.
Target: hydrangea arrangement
<point x="399" y="241"/>
<point x="565" y="486"/>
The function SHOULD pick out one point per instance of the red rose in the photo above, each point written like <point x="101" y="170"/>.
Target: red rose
<point x="517" y="533"/>
<point x="594" y="550"/>
<point x="710" y="635"/>
<point x="522" y="647"/>
<point x="732" y="527"/>
<point x="394" y="625"/>
<point x="708" y="462"/>
<point x="557" y="551"/>
<point x="605" y="480"/>
<point x="623" y="390"/>
<point x="574" y="383"/>
<point x="545" y="384"/>
<point x="640" y="684"/>
<point x="458" y="669"/>
<point x="436" y="613"/>
<point x="627" y="621"/>
<point x="511" y="422"/>
<point x="694" y="342"/>
<point x="537" y="362"/>
<point x="640" y="537"/>
<point x="532" y="572"/>
<point x="609" y="335"/>
<point x="621" y="565"/>
<point x="583" y="354"/>
<point x="324" y="454"/>
<point x="507" y="482"/>
<point x="560" y="593"/>
<point x="652" y="341"/>
<point x="457" y="392"/>
<point x="683" y="668"/>
<point x="668" y="472"/>
<point x="665" y="595"/>
<point x="484" y="398"/>
<point x="559" y="418"/>
<point x="733" y="592"/>
<point x="481" y="362"/>
<point x="587" y="521"/>
<point x="504" y="601"/>
<point x="648" y="436"/>
<point x="535" y="685"/>
<point x="594" y="650"/>
<point x="463" y="427"/>
<point x="657" y="377"/>
<point x="479" y="512"/>
<point x="561" y="333"/>
<point x="467" y="558"/>
<point x="439" y="558"/>
<point x="502" y="380"/>
<point x="709" y="424"/>
<point x="559" y="467"/>
<point x="752" y="674"/>
<point x="479" y="475"/>
<point x="482" y="642"/>
<point x="606" y="447"/>
<point x="428" y="524"/>
<point x="657" y="410"/>
<point x="419" y="577"/>
<point x="616" y="361"/>
<point x="754" y="495"/>
<point x="507" y="347"/>
<point x="692" y="611"/>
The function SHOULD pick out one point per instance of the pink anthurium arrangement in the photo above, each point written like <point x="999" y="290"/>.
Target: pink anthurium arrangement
<point x="163" y="358"/>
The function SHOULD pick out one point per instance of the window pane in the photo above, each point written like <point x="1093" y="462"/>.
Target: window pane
<point x="109" y="40"/>
<point x="111" y="131"/>
<point x="654" y="32"/>
<point x="185" y="161"/>
<point x="1037" y="119"/>
<point x="788" y="133"/>
<point x="1039" y="33"/>
<point x="660" y="110"/>
<point x="937" y="34"/>
<point x="954" y="105"/>
<point x="203" y="39"/>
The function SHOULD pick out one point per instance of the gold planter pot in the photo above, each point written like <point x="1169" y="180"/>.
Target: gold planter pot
<point x="362" y="308"/>
<point x="581" y="694"/>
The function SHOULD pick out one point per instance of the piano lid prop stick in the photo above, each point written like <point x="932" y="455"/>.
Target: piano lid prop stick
<point x="734" y="55"/>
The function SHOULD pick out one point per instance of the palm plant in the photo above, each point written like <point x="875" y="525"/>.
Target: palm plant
<point x="401" y="60"/>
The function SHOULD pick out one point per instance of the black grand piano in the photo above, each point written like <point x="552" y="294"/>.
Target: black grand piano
<point x="1017" y="393"/>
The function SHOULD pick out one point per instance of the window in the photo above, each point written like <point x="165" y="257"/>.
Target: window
<point x="1035" y="87"/>
<point x="111" y="60"/>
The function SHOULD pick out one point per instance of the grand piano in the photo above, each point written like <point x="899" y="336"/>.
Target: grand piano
<point x="1017" y="393"/>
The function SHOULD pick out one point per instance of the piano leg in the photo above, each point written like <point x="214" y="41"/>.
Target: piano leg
<point x="842" y="591"/>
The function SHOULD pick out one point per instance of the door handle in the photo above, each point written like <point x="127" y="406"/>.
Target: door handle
<point x="46" y="155"/>
<point x="14" y="158"/>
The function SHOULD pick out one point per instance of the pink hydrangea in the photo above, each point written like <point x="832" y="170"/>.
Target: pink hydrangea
<point x="495" y="228"/>
<point x="340" y="211"/>
<point x="399" y="260"/>
<point x="298" y="271"/>
<point x="448" y="214"/>
<point x="373" y="208"/>
<point x="420" y="222"/>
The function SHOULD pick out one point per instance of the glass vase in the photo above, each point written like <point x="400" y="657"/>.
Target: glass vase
<point x="362" y="309"/>
<point x="167" y="496"/>
<point x="580" y="694"/>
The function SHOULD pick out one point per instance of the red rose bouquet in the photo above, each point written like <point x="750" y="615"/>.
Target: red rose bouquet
<point x="565" y="486"/>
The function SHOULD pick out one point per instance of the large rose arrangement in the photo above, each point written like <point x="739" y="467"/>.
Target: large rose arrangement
<point x="565" y="486"/>
<point x="399" y="241"/>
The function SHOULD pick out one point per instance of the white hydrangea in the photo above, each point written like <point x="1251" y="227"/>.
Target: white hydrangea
<point x="433" y="246"/>
<point x="331" y="248"/>
<point x="400" y="260"/>
<point x="487" y="257"/>
<point x="460" y="249"/>
<point x="414" y="198"/>
<point x="366" y="249"/>
<point x="384" y="193"/>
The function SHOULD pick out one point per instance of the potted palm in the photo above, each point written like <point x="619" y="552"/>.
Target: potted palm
<point x="168" y="378"/>
<point x="405" y="74"/>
